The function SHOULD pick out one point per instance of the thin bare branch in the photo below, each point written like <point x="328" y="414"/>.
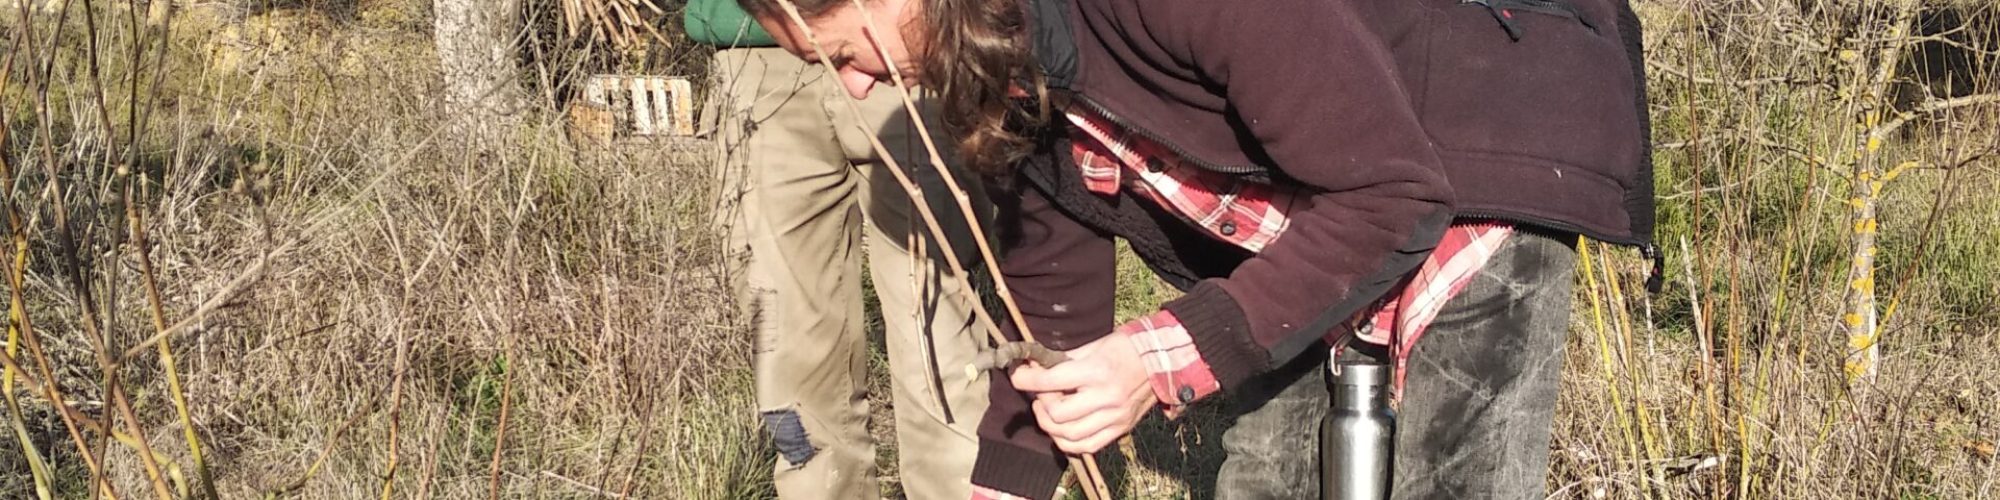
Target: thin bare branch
<point x="1741" y="83"/>
<point x="500" y="431"/>
<point x="1930" y="107"/>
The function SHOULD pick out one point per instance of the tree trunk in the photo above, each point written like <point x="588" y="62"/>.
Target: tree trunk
<point x="476" y="41"/>
<point x="1860" y="321"/>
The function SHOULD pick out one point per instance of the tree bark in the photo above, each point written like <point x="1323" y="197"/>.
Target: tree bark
<point x="476" y="41"/>
<point x="1860" y="320"/>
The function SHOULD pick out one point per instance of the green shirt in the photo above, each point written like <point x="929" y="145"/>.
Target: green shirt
<point x="724" y="24"/>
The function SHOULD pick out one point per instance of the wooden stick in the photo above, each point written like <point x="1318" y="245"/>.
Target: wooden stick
<point x="651" y="6"/>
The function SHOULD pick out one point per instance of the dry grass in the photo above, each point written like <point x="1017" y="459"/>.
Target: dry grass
<point x="429" y="290"/>
<point x="414" y="292"/>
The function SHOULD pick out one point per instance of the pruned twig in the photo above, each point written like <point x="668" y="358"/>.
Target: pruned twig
<point x="1010" y="354"/>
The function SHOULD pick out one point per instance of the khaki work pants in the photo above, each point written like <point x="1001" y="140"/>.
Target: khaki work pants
<point x="809" y="187"/>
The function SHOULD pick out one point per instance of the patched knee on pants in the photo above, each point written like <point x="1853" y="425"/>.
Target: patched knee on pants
<point x="790" y="435"/>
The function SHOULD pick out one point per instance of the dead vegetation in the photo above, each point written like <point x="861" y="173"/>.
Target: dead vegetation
<point x="355" y="311"/>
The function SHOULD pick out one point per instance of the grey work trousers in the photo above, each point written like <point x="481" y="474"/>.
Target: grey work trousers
<point x="1478" y="399"/>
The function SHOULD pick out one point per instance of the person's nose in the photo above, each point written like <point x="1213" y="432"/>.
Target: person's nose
<point x="857" y="83"/>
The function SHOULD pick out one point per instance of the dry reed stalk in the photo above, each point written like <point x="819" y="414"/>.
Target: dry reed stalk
<point x="100" y="343"/>
<point x="631" y="479"/>
<point x="147" y="458"/>
<point x="1656" y="438"/>
<point x="50" y="390"/>
<point x="646" y="416"/>
<point x="915" y="193"/>
<point x="594" y="491"/>
<point x="1707" y="343"/>
<point x="142" y="247"/>
<point x="37" y="79"/>
<point x="1706" y="372"/>
<point x="500" y="427"/>
<point x="958" y="192"/>
<point x="69" y="248"/>
<point x="396" y="410"/>
<point x="68" y="245"/>
<point x="1635" y="374"/>
<point x="617" y="445"/>
<point x="37" y="466"/>
<point x="1606" y="351"/>
<point x="431" y="458"/>
<point x="1706" y="336"/>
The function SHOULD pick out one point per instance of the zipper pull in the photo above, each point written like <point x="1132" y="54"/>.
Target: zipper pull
<point x="1656" y="279"/>
<point x="1504" y="16"/>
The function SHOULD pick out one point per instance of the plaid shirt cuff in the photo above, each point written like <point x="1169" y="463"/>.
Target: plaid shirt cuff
<point x="1178" y="374"/>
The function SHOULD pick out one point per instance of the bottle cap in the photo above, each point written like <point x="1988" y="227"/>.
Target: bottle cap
<point x="1361" y="373"/>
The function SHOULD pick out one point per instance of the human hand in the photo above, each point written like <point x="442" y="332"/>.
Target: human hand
<point x="1093" y="399"/>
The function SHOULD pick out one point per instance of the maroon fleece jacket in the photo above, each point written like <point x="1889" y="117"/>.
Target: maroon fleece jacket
<point x="1533" y="110"/>
<point x="1293" y="91"/>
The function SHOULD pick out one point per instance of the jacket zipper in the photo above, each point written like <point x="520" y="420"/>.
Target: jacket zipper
<point x="1655" y="279"/>
<point x="1183" y="154"/>
<point x="1503" y="12"/>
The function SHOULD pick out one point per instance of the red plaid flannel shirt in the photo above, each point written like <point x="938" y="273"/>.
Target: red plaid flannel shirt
<point x="1251" y="215"/>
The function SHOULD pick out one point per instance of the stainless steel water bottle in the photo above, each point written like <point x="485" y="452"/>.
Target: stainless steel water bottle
<point x="1358" y="435"/>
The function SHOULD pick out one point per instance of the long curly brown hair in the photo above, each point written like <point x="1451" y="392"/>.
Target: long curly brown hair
<point x="973" y="51"/>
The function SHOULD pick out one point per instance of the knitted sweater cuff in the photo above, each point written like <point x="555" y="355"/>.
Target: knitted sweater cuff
<point x="1017" y="471"/>
<point x="1221" y="333"/>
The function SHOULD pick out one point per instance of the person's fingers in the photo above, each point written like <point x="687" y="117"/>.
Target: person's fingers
<point x="1073" y="407"/>
<point x="1068" y="376"/>
<point x="1095" y="441"/>
<point x="1042" y="420"/>
<point x="1081" y="425"/>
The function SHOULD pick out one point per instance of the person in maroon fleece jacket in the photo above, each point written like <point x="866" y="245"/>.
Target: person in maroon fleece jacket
<point x="1309" y="172"/>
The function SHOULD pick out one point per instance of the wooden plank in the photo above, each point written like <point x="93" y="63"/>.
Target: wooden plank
<point x="683" y="111"/>
<point x="642" y="115"/>
<point x="663" y="104"/>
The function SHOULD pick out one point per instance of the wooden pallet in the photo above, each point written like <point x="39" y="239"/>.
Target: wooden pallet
<point x="619" y="108"/>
